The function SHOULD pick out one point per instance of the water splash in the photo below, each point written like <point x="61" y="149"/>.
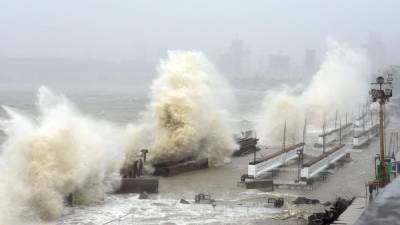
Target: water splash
<point x="341" y="84"/>
<point x="59" y="152"/>
<point x="187" y="115"/>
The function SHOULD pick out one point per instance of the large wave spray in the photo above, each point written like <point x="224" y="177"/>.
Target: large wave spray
<point x="60" y="152"/>
<point x="341" y="84"/>
<point x="187" y="112"/>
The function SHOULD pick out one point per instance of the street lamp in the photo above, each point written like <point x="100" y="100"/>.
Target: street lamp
<point x="382" y="96"/>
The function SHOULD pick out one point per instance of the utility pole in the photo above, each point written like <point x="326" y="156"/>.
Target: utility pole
<point x="340" y="130"/>
<point x="323" y="135"/>
<point x="372" y="120"/>
<point x="255" y="156"/>
<point x="255" y="150"/>
<point x="397" y="142"/>
<point x="366" y="109"/>
<point x="284" y="138"/>
<point x="284" y="142"/>
<point x="382" y="143"/>
<point x="382" y="96"/>
<point x="144" y="153"/>
<point x="300" y="152"/>
<point x="363" y="121"/>
<point x="336" y="119"/>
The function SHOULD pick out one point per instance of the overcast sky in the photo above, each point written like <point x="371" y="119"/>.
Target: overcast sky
<point x="111" y="29"/>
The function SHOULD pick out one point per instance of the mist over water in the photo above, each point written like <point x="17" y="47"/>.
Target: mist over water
<point x="61" y="151"/>
<point x="341" y="84"/>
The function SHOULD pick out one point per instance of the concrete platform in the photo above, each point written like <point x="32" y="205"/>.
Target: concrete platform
<point x="172" y="170"/>
<point x="265" y="184"/>
<point x="313" y="167"/>
<point x="278" y="158"/>
<point x="138" y="185"/>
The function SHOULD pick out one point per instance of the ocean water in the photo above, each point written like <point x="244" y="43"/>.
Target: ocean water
<point x="235" y="205"/>
<point x="123" y="105"/>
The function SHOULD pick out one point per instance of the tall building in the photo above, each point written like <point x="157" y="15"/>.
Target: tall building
<point x="376" y="51"/>
<point x="236" y="55"/>
<point x="236" y="59"/>
<point x="310" y="62"/>
<point x="279" y="65"/>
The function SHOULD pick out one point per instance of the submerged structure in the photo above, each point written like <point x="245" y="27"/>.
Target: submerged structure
<point x="247" y="143"/>
<point x="172" y="169"/>
<point x="320" y="163"/>
<point x="134" y="181"/>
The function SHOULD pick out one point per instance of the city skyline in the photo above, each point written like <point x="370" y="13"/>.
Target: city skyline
<point x="112" y="31"/>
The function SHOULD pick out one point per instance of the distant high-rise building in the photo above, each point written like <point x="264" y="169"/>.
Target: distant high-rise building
<point x="261" y="66"/>
<point x="376" y="51"/>
<point x="279" y="65"/>
<point x="235" y="60"/>
<point x="310" y="62"/>
<point x="237" y="53"/>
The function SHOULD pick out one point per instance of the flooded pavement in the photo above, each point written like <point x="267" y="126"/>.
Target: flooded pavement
<point x="234" y="204"/>
<point x="131" y="210"/>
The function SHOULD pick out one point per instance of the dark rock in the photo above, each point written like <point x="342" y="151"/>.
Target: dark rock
<point x="144" y="195"/>
<point x="327" y="203"/>
<point x="341" y="205"/>
<point x="303" y="200"/>
<point x="324" y="218"/>
<point x="183" y="201"/>
<point x="328" y="217"/>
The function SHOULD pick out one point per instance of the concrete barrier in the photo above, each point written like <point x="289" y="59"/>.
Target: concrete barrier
<point x="363" y="138"/>
<point x="172" y="170"/>
<point x="138" y="185"/>
<point x="319" y="164"/>
<point x="273" y="161"/>
<point x="334" y="135"/>
<point x="266" y="184"/>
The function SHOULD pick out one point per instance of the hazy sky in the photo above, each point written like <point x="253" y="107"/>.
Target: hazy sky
<point x="112" y="29"/>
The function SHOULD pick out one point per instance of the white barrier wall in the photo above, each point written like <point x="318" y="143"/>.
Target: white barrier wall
<point x="329" y="139"/>
<point x="363" y="138"/>
<point x="309" y="171"/>
<point x="333" y="135"/>
<point x="267" y="165"/>
<point x="359" y="141"/>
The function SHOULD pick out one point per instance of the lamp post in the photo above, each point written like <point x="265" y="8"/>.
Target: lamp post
<point x="144" y="153"/>
<point x="381" y="96"/>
